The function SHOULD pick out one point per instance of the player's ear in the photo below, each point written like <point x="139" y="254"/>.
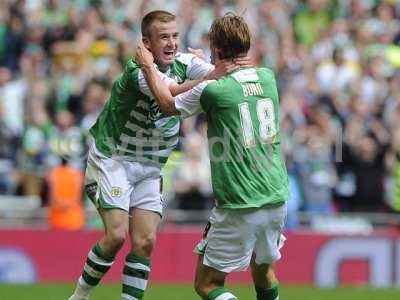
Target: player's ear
<point x="146" y="42"/>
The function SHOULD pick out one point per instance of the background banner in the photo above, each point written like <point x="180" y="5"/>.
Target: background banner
<point x="321" y="259"/>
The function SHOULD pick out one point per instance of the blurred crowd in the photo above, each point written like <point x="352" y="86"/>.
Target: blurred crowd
<point x="337" y="65"/>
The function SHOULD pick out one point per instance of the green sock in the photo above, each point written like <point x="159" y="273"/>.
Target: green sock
<point x="97" y="265"/>
<point x="135" y="276"/>
<point x="221" y="293"/>
<point x="268" y="294"/>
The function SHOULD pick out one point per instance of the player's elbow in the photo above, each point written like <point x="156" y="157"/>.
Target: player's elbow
<point x="168" y="107"/>
<point x="170" y="111"/>
<point x="175" y="90"/>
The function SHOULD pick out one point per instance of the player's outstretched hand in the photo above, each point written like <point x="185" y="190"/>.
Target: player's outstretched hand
<point x="198" y="52"/>
<point x="144" y="57"/>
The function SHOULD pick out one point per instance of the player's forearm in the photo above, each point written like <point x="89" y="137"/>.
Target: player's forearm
<point x="177" y="89"/>
<point x="160" y="91"/>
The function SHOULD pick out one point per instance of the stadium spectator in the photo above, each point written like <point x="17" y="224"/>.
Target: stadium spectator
<point x="364" y="154"/>
<point x="311" y="21"/>
<point x="317" y="172"/>
<point x="65" y="187"/>
<point x="337" y="75"/>
<point x="94" y="99"/>
<point x="392" y="179"/>
<point x="191" y="179"/>
<point x="8" y="151"/>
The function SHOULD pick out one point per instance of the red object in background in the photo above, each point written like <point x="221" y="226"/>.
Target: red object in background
<point x="307" y="257"/>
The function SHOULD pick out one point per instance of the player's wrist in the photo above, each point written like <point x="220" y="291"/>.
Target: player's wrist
<point x="147" y="67"/>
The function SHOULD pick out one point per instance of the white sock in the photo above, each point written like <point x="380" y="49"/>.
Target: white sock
<point x="82" y="288"/>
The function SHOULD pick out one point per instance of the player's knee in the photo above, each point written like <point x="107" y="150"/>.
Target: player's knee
<point x="117" y="237"/>
<point x="143" y="245"/>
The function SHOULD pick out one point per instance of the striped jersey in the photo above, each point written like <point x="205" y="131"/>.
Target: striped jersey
<point x="131" y="125"/>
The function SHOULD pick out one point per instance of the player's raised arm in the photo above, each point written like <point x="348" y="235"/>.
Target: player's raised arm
<point x="158" y="88"/>
<point x="177" y="89"/>
<point x="173" y="87"/>
<point x="185" y="104"/>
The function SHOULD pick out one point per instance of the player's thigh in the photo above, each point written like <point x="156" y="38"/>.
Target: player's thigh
<point x="229" y="243"/>
<point x="116" y="221"/>
<point x="106" y="182"/>
<point x="143" y="225"/>
<point x="269" y="237"/>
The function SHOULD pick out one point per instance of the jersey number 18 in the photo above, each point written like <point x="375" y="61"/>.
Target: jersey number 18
<point x="266" y="119"/>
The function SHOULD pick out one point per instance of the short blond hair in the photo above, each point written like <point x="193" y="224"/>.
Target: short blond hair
<point x="153" y="16"/>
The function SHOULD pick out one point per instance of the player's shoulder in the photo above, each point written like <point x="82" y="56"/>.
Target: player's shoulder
<point x="203" y="86"/>
<point x="184" y="58"/>
<point x="208" y="83"/>
<point x="131" y="66"/>
<point x="266" y="75"/>
<point x="266" y="72"/>
<point x="210" y="87"/>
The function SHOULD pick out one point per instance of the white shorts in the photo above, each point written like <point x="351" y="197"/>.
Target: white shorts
<point x="233" y="235"/>
<point x="111" y="183"/>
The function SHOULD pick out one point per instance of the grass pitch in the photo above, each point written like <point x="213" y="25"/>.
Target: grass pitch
<point x="61" y="291"/>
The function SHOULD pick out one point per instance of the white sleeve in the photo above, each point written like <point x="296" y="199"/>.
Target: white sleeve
<point x="196" y="67"/>
<point x="188" y="103"/>
<point x="144" y="87"/>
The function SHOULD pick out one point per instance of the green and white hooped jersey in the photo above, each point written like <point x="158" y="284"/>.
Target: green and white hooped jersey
<point x="131" y="125"/>
<point x="242" y="108"/>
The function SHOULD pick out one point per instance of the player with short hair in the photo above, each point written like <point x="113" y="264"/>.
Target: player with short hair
<point x="132" y="140"/>
<point x="249" y="175"/>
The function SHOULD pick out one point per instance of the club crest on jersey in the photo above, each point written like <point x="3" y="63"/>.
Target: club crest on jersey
<point x="116" y="192"/>
<point x="155" y="112"/>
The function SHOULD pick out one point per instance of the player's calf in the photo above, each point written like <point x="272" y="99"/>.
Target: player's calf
<point x="271" y="293"/>
<point x="209" y="283"/>
<point x="265" y="281"/>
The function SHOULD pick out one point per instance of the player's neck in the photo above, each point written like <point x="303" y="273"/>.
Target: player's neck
<point x="163" y="68"/>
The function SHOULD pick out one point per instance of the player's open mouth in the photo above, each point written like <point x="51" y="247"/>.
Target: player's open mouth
<point x="169" y="54"/>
